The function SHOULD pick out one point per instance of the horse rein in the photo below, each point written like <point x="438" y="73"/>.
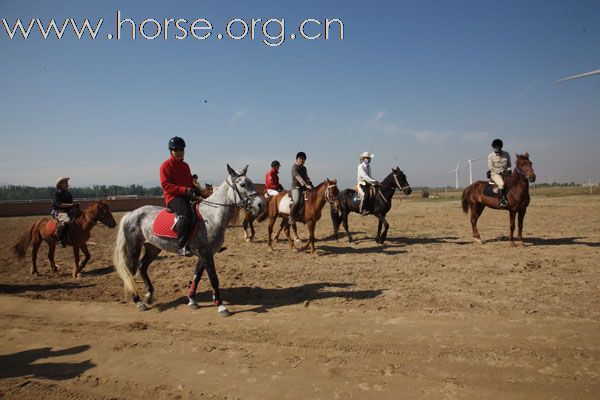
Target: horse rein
<point x="398" y="186"/>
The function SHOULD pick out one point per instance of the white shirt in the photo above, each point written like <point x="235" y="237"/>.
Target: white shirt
<point x="364" y="173"/>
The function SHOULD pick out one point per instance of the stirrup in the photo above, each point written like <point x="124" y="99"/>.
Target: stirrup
<point x="185" y="251"/>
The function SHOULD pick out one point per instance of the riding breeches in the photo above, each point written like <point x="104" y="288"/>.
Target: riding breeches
<point x="63" y="217"/>
<point x="183" y="210"/>
<point x="498" y="180"/>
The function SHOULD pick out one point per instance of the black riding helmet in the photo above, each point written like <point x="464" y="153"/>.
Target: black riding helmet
<point x="301" y="154"/>
<point x="275" y="164"/>
<point x="176" y="143"/>
<point x="497" y="143"/>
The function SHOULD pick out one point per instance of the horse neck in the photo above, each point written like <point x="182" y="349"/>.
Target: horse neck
<point x="317" y="201"/>
<point x="518" y="184"/>
<point x="219" y="213"/>
<point x="86" y="220"/>
<point x="387" y="187"/>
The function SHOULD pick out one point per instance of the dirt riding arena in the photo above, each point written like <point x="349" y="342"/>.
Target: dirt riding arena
<point x="428" y="315"/>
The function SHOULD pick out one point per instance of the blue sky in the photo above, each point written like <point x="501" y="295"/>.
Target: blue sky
<point x="422" y="84"/>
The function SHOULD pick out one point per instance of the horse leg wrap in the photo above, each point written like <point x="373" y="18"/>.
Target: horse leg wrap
<point x="193" y="286"/>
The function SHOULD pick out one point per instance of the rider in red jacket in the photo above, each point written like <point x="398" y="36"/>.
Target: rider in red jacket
<point x="272" y="178"/>
<point x="178" y="187"/>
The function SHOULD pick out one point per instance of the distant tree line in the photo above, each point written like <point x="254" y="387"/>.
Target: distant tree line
<point x="13" y="192"/>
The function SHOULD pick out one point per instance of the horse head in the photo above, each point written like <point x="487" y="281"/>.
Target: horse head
<point x="332" y="193"/>
<point x="101" y="213"/>
<point x="400" y="181"/>
<point x="524" y="167"/>
<point x="244" y="194"/>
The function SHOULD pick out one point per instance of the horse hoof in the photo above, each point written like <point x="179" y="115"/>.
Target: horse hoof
<point x="193" y="306"/>
<point x="479" y="241"/>
<point x="141" y="306"/>
<point x="223" y="311"/>
<point x="148" y="298"/>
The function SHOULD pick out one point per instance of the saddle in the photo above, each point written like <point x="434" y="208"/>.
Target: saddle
<point x="165" y="222"/>
<point x="491" y="189"/>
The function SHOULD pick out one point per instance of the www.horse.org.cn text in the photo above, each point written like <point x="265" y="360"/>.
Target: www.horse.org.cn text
<point x="271" y="32"/>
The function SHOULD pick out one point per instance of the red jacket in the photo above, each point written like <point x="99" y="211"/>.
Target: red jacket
<point x="175" y="178"/>
<point x="272" y="180"/>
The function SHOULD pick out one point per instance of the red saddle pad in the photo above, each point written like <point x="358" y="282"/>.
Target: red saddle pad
<point x="164" y="222"/>
<point x="50" y="228"/>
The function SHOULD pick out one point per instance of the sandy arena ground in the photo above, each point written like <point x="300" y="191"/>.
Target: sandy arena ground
<point x="429" y="315"/>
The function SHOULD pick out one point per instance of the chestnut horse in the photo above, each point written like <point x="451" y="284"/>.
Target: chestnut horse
<point x="78" y="235"/>
<point x="474" y="198"/>
<point x="325" y="192"/>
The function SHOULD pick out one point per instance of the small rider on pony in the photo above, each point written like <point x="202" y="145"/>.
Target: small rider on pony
<point x="499" y="167"/>
<point x="62" y="209"/>
<point x="178" y="187"/>
<point x="364" y="181"/>
<point x="272" y="184"/>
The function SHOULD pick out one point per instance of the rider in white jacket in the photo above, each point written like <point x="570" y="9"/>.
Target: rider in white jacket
<point x="363" y="177"/>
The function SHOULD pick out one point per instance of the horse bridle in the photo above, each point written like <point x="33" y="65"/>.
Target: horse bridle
<point x="523" y="174"/>
<point x="398" y="186"/>
<point x="245" y="201"/>
<point x="327" y="195"/>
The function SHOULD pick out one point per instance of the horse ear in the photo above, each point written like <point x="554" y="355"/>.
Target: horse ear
<point x="526" y="154"/>
<point x="231" y="171"/>
<point x="244" y="170"/>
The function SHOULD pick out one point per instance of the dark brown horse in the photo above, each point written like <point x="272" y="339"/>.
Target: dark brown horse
<point x="315" y="200"/>
<point x="78" y="235"/>
<point x="475" y="199"/>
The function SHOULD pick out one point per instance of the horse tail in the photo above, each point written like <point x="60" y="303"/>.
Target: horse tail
<point x="20" y="248"/>
<point x="465" y="203"/>
<point x="265" y="214"/>
<point x="122" y="261"/>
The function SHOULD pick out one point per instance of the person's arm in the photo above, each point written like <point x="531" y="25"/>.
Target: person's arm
<point x="490" y="162"/>
<point x="508" y="164"/>
<point x="362" y="174"/>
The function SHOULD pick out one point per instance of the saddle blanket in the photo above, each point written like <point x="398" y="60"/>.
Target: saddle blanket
<point x="50" y="228"/>
<point x="165" y="221"/>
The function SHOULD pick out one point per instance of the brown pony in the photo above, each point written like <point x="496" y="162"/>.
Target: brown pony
<point x="325" y="192"/>
<point x="474" y="198"/>
<point x="78" y="235"/>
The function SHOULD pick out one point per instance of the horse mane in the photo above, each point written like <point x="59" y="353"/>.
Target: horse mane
<point x="387" y="181"/>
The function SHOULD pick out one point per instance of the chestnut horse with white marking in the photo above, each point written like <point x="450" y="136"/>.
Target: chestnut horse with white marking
<point x="475" y="199"/>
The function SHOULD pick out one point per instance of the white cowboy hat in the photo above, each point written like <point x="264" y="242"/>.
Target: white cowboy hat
<point x="366" y="154"/>
<point x="61" y="180"/>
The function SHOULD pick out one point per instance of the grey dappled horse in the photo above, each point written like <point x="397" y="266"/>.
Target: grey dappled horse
<point x="136" y="232"/>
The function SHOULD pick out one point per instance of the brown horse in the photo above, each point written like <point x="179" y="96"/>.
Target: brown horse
<point x="474" y="198"/>
<point x="78" y="235"/>
<point x="325" y="192"/>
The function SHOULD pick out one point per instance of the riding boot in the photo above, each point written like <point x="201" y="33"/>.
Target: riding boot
<point x="184" y="247"/>
<point x="503" y="201"/>
<point x="182" y="233"/>
<point x="61" y="230"/>
<point x="292" y="216"/>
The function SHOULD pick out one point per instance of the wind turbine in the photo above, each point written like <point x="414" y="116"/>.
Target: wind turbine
<point x="470" y="163"/>
<point x="456" y="171"/>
